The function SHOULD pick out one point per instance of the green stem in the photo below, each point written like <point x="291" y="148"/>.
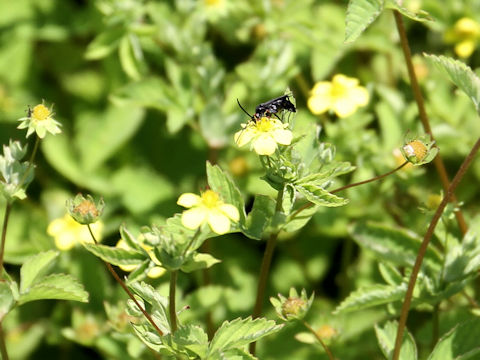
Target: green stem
<point x="30" y="162"/>
<point x="325" y="347"/>
<point x="126" y="289"/>
<point x="171" y="302"/>
<point x="264" y="270"/>
<point x="423" y="247"/>
<point x="191" y="241"/>
<point x="3" y="346"/>
<point x="417" y="93"/>
<point x="379" y="177"/>
<point x="8" y="208"/>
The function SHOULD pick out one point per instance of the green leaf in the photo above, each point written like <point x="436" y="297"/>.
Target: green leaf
<point x="193" y="338"/>
<point x="371" y="295"/>
<point x="56" y="286"/>
<point x="461" y="75"/>
<point x="319" y="196"/>
<point x="463" y="260"/>
<point x="35" y="267"/>
<point x="7" y="299"/>
<point x="300" y="220"/>
<point x="151" y="92"/>
<point x="386" y="339"/>
<point x="360" y="14"/>
<point x="397" y="246"/>
<point x="460" y="343"/>
<point x="221" y="183"/>
<point x="259" y="217"/>
<point x="421" y="15"/>
<point x="104" y="44"/>
<point x="288" y="198"/>
<point x="240" y="332"/>
<point x="390" y="274"/>
<point x="199" y="261"/>
<point x="115" y="255"/>
<point x="127" y="57"/>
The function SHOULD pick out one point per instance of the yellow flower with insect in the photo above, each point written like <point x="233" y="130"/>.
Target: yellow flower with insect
<point x="154" y="272"/>
<point x="40" y="120"/>
<point x="465" y="34"/>
<point x="264" y="135"/>
<point x="67" y="232"/>
<point x="207" y="208"/>
<point x="343" y="95"/>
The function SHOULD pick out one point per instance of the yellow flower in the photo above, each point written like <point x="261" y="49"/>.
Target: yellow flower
<point x="465" y="34"/>
<point x="264" y="135"/>
<point x="207" y="208"/>
<point x="40" y="120"/>
<point x="342" y="95"/>
<point x="67" y="232"/>
<point x="154" y="272"/>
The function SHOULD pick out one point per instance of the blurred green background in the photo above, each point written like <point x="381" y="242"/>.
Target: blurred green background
<point x="147" y="91"/>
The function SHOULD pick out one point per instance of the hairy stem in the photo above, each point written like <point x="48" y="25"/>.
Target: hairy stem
<point x="264" y="270"/>
<point x="438" y="162"/>
<point x="126" y="289"/>
<point x="325" y="347"/>
<point x="423" y="247"/>
<point x="379" y="177"/>
<point x="3" y="346"/>
<point x="8" y="208"/>
<point x="171" y="302"/>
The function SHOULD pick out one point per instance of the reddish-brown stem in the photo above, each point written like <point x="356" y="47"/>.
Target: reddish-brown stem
<point x="325" y="347"/>
<point x="417" y="93"/>
<point x="424" y="245"/>
<point x="126" y="289"/>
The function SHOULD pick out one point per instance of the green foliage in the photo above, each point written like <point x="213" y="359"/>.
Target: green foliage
<point x="386" y="339"/>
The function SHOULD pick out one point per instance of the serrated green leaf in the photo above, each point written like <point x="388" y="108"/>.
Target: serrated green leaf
<point x="360" y="14"/>
<point x="386" y="339"/>
<point x="371" y="295"/>
<point x="221" y="183"/>
<point x="460" y="343"/>
<point x="193" y="338"/>
<point x="319" y="196"/>
<point x="233" y="354"/>
<point x="7" y="299"/>
<point x="288" y="198"/>
<point x="114" y="255"/>
<point x="259" y="217"/>
<point x="128" y="237"/>
<point x="56" y="286"/>
<point x="421" y="15"/>
<point x="390" y="274"/>
<point x="35" y="267"/>
<point x="104" y="44"/>
<point x="394" y="245"/>
<point x="461" y="75"/>
<point x="199" y="261"/>
<point x="240" y="332"/>
<point x="300" y="220"/>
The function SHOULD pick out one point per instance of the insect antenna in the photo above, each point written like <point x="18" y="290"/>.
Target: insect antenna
<point x="245" y="111"/>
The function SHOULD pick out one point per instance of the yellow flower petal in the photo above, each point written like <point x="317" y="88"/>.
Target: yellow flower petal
<point x="243" y="136"/>
<point x="127" y="268"/>
<point x="319" y="104"/>
<point x="283" y="136"/>
<point x="65" y="241"/>
<point x="264" y="145"/>
<point x="322" y="88"/>
<point x="344" y="107"/>
<point x="218" y="222"/>
<point x="156" y="272"/>
<point x="188" y="200"/>
<point x="359" y="96"/>
<point x="193" y="218"/>
<point x="465" y="48"/>
<point x="231" y="211"/>
<point x="344" y="81"/>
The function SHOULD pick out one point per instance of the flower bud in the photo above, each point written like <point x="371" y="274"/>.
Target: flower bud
<point x="84" y="210"/>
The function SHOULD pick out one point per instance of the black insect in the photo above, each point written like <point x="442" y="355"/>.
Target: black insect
<point x="271" y="107"/>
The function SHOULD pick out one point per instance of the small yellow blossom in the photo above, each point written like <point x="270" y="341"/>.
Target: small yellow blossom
<point x="326" y="332"/>
<point x="465" y="34"/>
<point x="40" y="120"/>
<point x="264" y="134"/>
<point x="215" y="9"/>
<point x="207" y="208"/>
<point x="342" y="95"/>
<point x="154" y="272"/>
<point x="67" y="232"/>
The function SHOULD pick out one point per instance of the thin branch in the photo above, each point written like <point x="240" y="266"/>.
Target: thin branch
<point x="417" y="93"/>
<point x="423" y="247"/>
<point x="126" y="289"/>
<point x="325" y="347"/>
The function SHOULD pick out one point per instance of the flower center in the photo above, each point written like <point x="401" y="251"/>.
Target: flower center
<point x="40" y="112"/>
<point x="264" y="124"/>
<point x="86" y="207"/>
<point x="210" y="199"/>
<point x="213" y="2"/>
<point x="338" y="90"/>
